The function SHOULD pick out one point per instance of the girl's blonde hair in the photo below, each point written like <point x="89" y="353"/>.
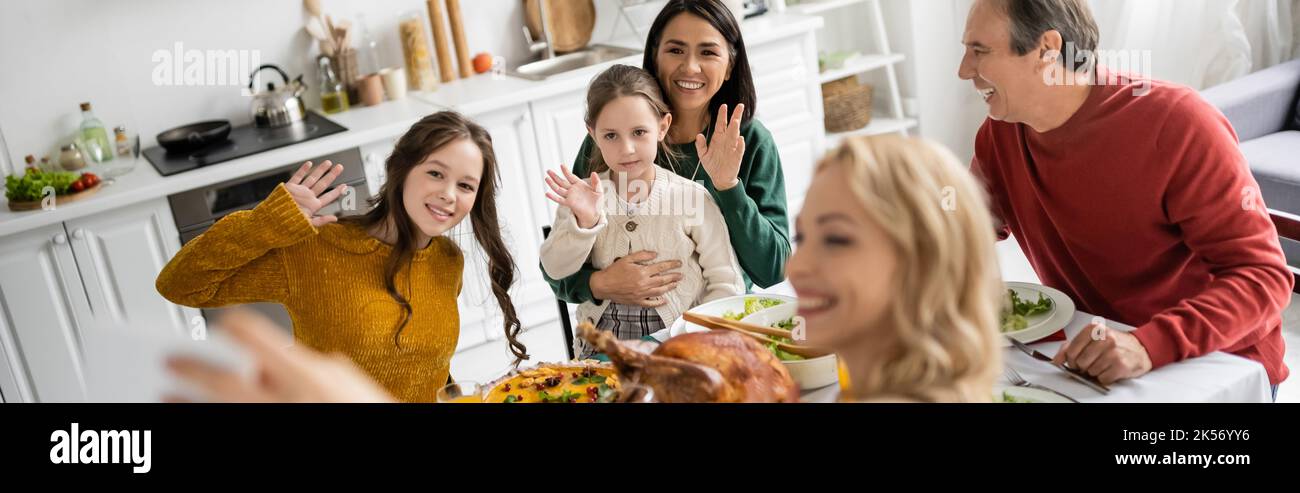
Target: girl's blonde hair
<point x="945" y="322"/>
<point x="616" y="82"/>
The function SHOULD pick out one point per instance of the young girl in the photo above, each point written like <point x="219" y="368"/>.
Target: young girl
<point x="379" y="288"/>
<point x="651" y="208"/>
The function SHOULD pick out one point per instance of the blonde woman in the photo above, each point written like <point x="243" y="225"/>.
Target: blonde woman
<point x="895" y="268"/>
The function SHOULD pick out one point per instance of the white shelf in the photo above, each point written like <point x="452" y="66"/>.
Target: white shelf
<point x="878" y="126"/>
<point x="811" y="8"/>
<point x="860" y="64"/>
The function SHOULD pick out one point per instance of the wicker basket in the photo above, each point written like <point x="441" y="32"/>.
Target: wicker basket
<point x="847" y="104"/>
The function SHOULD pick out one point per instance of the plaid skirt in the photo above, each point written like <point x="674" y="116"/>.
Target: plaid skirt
<point x="627" y="322"/>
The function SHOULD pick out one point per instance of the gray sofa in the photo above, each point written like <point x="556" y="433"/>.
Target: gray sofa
<point x="1263" y="109"/>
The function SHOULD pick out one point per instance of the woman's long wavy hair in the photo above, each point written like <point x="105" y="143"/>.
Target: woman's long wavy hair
<point x="423" y="138"/>
<point x="945" y="325"/>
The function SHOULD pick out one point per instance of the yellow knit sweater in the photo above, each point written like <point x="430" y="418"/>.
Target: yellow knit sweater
<point x="331" y="281"/>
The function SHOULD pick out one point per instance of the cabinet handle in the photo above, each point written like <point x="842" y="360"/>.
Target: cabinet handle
<point x="77" y="234"/>
<point x="60" y="239"/>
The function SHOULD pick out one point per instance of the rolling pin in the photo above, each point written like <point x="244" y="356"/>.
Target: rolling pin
<point x="458" y="35"/>
<point x="446" y="70"/>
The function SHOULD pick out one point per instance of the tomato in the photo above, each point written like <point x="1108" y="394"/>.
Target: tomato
<point x="78" y="186"/>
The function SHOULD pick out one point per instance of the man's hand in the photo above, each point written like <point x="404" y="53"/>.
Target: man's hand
<point x="1105" y="353"/>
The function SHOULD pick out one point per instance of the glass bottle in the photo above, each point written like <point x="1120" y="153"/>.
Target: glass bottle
<point x="333" y="93"/>
<point x="94" y="136"/>
<point x="121" y="141"/>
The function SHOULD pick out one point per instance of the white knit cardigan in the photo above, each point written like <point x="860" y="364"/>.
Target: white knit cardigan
<point x="679" y="221"/>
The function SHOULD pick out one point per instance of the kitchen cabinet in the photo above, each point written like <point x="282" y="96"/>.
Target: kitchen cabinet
<point x="560" y="123"/>
<point x="790" y="106"/>
<point x="42" y="295"/>
<point x="119" y="255"/>
<point x="484" y="351"/>
<point x="94" y="273"/>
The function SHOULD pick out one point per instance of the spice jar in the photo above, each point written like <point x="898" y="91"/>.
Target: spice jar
<point x="70" y="158"/>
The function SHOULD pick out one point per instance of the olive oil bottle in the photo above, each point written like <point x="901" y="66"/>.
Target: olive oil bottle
<point x="333" y="93"/>
<point x="94" y="136"/>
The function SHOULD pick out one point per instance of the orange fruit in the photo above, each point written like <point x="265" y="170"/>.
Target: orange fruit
<point x="482" y="62"/>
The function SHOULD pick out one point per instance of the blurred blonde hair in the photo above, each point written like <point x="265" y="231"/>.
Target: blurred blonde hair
<point x="945" y="318"/>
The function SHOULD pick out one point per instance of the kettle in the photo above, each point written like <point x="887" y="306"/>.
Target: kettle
<point x="277" y="107"/>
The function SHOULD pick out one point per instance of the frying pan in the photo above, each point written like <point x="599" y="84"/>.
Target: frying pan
<point x="194" y="136"/>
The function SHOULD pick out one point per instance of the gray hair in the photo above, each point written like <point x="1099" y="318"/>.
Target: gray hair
<point x="1029" y="19"/>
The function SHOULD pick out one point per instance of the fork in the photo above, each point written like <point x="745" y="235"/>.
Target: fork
<point x="1019" y="381"/>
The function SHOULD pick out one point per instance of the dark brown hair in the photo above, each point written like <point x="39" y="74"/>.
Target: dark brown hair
<point x="739" y="89"/>
<point x="1029" y="19"/>
<point x="423" y="138"/>
<point x="616" y="82"/>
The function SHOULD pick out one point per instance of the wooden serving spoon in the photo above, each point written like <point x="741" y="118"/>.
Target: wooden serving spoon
<point x="756" y="331"/>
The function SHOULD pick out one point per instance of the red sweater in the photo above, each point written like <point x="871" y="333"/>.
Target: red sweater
<point x="1139" y="208"/>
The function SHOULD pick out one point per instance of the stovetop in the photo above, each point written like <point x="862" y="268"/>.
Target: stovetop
<point x="244" y="141"/>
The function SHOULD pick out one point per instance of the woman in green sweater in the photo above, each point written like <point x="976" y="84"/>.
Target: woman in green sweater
<point x="696" y="52"/>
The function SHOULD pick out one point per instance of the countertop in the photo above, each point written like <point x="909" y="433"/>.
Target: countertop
<point x="473" y="96"/>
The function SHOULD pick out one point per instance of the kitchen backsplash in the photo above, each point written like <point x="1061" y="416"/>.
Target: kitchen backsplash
<point x="104" y="52"/>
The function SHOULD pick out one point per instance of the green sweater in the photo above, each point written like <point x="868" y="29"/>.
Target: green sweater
<point x="755" y="212"/>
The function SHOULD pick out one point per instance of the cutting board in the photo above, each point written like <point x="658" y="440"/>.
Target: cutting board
<point x="571" y="22"/>
<point x="58" y="200"/>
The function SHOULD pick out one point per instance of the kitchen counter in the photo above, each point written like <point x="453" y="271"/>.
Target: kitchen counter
<point x="365" y="125"/>
<point x="484" y="93"/>
<point x="473" y="96"/>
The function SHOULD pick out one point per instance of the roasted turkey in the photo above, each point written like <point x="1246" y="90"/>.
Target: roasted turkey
<point x="715" y="366"/>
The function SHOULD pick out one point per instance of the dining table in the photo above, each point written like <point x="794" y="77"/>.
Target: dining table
<point x="1214" y="377"/>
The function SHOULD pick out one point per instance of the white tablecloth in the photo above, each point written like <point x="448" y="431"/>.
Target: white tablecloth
<point x="1215" y="377"/>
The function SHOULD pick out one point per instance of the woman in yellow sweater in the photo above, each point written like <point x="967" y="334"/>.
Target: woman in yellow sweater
<point x="380" y="288"/>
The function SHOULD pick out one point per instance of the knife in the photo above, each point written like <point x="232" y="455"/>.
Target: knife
<point x="1078" y="376"/>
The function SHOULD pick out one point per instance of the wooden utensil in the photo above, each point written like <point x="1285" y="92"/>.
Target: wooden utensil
<point x="458" y="36"/>
<point x="571" y="22"/>
<point x="446" y="70"/>
<point x="316" y="26"/>
<point x="312" y="6"/>
<point x="756" y="331"/>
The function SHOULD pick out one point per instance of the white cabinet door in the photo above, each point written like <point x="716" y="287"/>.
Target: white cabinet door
<point x="515" y="146"/>
<point x="560" y="125"/>
<point x="789" y="95"/>
<point x="42" y="298"/>
<point x="119" y="255"/>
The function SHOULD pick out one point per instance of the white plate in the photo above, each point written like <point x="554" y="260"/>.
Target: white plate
<point x="1036" y="395"/>
<point x="1043" y="324"/>
<point x="717" y="308"/>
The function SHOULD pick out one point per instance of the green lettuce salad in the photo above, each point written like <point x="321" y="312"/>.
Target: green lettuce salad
<point x="29" y="186"/>
<point x="1016" y="311"/>
<point x="751" y="305"/>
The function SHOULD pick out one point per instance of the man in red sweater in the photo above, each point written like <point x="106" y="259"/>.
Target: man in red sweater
<point x="1129" y="195"/>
